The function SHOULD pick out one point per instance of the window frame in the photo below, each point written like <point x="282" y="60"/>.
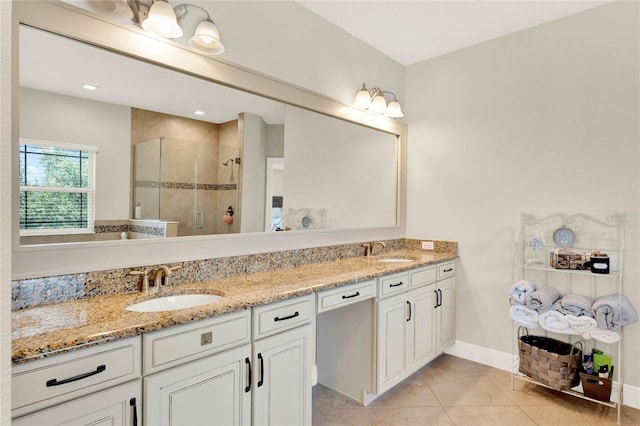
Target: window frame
<point x="90" y="190"/>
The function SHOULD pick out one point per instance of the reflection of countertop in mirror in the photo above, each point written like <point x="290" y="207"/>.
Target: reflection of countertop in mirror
<point x="44" y="330"/>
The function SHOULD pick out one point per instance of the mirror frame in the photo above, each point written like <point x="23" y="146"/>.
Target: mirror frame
<point x="66" y="258"/>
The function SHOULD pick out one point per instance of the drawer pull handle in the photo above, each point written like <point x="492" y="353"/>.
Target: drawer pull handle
<point x="134" y="412"/>
<point x="55" y="382"/>
<point x="261" y="360"/>
<point x="357" y="293"/>
<point x="396" y="284"/>
<point x="297" y="314"/>
<point x="447" y="270"/>
<point x="248" y="362"/>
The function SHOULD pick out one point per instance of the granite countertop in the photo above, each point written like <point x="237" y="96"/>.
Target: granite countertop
<point x="48" y="330"/>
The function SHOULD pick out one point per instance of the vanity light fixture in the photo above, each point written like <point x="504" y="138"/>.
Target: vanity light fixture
<point x="88" y="86"/>
<point x="161" y="19"/>
<point x="199" y="112"/>
<point x="374" y="100"/>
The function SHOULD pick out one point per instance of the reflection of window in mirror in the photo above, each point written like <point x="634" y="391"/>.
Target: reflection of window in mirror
<point x="274" y="194"/>
<point x="56" y="187"/>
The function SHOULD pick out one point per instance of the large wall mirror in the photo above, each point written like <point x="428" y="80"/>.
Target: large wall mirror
<point x="176" y="154"/>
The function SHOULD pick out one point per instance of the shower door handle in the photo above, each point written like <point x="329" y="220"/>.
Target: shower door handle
<point x="199" y="220"/>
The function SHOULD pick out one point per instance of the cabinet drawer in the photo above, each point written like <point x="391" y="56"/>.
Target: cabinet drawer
<point x="276" y="317"/>
<point x="177" y="345"/>
<point x="50" y="381"/>
<point x="446" y="270"/>
<point x="346" y="295"/>
<point x="393" y="284"/>
<point x="423" y="276"/>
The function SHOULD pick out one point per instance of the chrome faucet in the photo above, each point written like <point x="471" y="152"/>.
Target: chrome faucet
<point x="370" y="247"/>
<point x="163" y="272"/>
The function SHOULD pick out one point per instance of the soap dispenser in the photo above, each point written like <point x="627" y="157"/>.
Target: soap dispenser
<point x="138" y="211"/>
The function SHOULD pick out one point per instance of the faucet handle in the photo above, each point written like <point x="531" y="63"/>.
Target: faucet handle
<point x="145" y="279"/>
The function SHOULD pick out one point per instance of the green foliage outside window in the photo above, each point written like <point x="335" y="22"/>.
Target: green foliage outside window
<point x="54" y="188"/>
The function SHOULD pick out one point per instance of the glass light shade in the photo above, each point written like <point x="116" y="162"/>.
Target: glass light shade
<point x="206" y="39"/>
<point x="378" y="104"/>
<point x="394" y="110"/>
<point x="162" y="20"/>
<point x="363" y="99"/>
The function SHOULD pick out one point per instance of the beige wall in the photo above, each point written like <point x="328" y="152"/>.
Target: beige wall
<point x="86" y="122"/>
<point x="541" y="121"/>
<point x="6" y="217"/>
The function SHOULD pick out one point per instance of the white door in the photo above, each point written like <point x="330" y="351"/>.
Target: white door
<point x="117" y="406"/>
<point x="282" y="378"/>
<point x="446" y="313"/>
<point x="392" y="341"/>
<point x="421" y="339"/>
<point x="211" y="391"/>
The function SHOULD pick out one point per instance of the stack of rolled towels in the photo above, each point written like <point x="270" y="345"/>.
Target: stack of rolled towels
<point x="593" y="318"/>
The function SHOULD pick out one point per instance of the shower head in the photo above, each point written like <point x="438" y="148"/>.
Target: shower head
<point x="226" y="163"/>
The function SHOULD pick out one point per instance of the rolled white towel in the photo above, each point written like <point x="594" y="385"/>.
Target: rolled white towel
<point x="614" y="311"/>
<point x="519" y="290"/>
<point x="581" y="324"/>
<point x="555" y="322"/>
<point x="541" y="300"/>
<point x="574" y="304"/>
<point x="604" y="336"/>
<point x="524" y="316"/>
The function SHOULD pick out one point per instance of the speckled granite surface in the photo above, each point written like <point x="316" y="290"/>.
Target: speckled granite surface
<point x="46" y="330"/>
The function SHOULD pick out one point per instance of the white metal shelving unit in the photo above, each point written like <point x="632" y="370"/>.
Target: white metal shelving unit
<point x="532" y="259"/>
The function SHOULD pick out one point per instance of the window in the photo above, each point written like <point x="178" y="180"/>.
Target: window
<point x="56" y="187"/>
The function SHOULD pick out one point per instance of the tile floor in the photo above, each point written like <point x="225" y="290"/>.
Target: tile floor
<point x="453" y="391"/>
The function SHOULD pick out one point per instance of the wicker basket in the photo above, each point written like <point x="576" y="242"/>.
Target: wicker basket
<point x="550" y="361"/>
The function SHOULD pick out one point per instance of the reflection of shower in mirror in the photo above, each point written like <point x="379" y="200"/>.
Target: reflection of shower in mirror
<point x="231" y="161"/>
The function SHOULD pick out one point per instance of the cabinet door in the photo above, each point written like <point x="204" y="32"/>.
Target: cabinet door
<point x="392" y="341"/>
<point x="421" y="336"/>
<point x="446" y="313"/>
<point x="282" y="378"/>
<point x="211" y="391"/>
<point x="117" y="406"/>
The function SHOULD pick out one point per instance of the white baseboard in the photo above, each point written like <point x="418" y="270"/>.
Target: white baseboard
<point x="504" y="361"/>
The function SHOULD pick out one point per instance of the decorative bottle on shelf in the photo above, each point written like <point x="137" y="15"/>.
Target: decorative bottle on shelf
<point x="138" y="211"/>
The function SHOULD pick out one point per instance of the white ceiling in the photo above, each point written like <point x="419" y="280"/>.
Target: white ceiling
<point x="413" y="31"/>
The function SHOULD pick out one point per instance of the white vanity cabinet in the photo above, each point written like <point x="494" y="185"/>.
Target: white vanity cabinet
<point x="201" y="373"/>
<point x="406" y="326"/>
<point x="445" y="306"/>
<point x="92" y="386"/>
<point x="282" y="358"/>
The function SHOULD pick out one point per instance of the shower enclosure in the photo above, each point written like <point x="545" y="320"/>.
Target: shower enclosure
<point x="193" y="183"/>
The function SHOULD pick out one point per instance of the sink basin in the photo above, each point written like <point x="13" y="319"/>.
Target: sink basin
<point x="172" y="303"/>
<point x="395" y="259"/>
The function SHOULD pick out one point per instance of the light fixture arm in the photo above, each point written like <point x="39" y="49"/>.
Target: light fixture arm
<point x="182" y="10"/>
<point x="376" y="91"/>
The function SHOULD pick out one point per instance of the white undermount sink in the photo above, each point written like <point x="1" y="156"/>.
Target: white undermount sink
<point x="172" y="303"/>
<point x="395" y="259"/>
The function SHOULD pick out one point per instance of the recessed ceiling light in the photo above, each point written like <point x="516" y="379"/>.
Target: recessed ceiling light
<point x="199" y="112"/>
<point x="90" y="87"/>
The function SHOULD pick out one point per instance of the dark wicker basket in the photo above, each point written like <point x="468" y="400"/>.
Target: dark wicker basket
<point x="550" y="361"/>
